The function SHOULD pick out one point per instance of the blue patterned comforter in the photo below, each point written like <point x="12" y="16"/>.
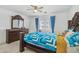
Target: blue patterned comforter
<point x="73" y="39"/>
<point x="41" y="39"/>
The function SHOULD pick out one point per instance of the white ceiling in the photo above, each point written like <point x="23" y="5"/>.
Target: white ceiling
<point x="49" y="8"/>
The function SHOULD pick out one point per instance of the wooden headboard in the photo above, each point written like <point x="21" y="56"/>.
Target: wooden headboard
<point x="74" y="23"/>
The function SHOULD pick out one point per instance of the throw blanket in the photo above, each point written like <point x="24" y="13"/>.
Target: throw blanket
<point x="41" y="39"/>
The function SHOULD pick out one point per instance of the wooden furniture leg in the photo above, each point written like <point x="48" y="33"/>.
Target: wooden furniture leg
<point x="21" y="41"/>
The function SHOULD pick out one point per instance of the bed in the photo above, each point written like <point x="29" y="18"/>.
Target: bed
<point x="38" y="41"/>
<point x="48" y="42"/>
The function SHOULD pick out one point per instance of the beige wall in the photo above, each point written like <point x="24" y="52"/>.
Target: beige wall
<point x="60" y="23"/>
<point x="31" y="24"/>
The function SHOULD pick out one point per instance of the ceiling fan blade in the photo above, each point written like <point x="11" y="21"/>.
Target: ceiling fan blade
<point x="39" y="10"/>
<point x="45" y="12"/>
<point x="41" y="7"/>
<point x="33" y="5"/>
<point x="28" y="9"/>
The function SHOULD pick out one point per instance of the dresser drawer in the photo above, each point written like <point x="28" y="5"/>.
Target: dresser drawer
<point x="13" y="35"/>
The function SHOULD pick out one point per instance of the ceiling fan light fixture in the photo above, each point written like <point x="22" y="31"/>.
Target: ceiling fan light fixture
<point x="35" y="11"/>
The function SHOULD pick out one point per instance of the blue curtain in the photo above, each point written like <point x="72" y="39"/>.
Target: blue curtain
<point x="37" y="24"/>
<point x="52" y="19"/>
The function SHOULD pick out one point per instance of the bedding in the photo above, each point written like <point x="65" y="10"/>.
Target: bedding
<point x="72" y="38"/>
<point x="48" y="40"/>
<point x="42" y="39"/>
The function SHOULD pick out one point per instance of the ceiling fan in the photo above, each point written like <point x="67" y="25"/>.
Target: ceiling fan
<point x="37" y="9"/>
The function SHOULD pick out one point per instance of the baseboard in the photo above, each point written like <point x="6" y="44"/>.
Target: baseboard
<point x="2" y="43"/>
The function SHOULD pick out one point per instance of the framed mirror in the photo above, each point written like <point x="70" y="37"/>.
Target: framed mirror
<point x="17" y="22"/>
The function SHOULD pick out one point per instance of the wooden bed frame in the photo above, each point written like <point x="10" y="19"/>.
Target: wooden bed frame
<point x="32" y="47"/>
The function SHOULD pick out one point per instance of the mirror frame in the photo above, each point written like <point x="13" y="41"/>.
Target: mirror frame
<point x="16" y="17"/>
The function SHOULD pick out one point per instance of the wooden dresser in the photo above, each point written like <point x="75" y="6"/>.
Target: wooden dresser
<point x="17" y="26"/>
<point x="13" y="34"/>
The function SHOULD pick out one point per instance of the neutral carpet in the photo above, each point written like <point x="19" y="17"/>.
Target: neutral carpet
<point x="13" y="48"/>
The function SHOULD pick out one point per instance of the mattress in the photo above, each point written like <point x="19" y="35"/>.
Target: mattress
<point x="42" y="39"/>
